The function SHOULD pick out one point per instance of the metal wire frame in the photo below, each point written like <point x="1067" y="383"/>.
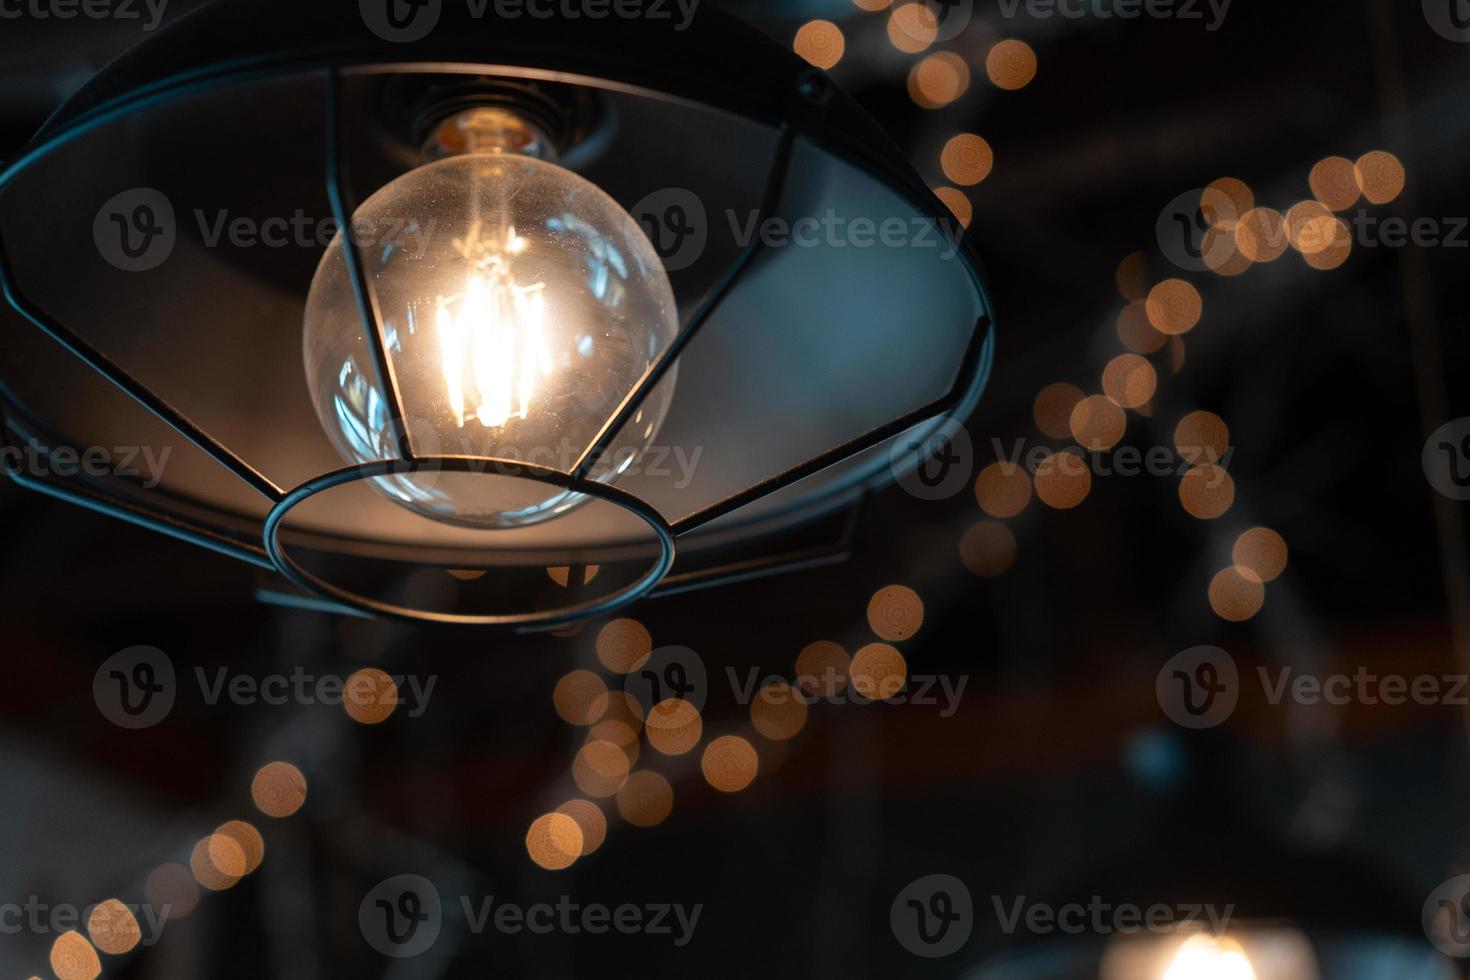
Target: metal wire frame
<point x="969" y="377"/>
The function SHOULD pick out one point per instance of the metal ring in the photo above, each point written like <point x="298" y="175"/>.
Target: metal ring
<point x="319" y="586"/>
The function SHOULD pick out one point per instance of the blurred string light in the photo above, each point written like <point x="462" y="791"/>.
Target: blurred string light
<point x="646" y="799"/>
<point x="895" y="613"/>
<point x="113" y="928"/>
<point x="674" y="727"/>
<point x="589" y="819"/>
<point x="278" y="789"/>
<point x="939" y="80"/>
<point x="580" y="698"/>
<point x="821" y="43"/>
<point x="369" y="696"/>
<point x="623" y="645"/>
<point x="912" y="27"/>
<point x="729" y="763"/>
<point x="554" y="841"/>
<point x="73" y="958"/>
<point x="967" y="159"/>
<point x="1010" y="65"/>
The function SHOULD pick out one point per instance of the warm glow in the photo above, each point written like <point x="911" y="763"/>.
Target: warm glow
<point x="1335" y="183"/>
<point x="600" y="769"/>
<point x="1380" y="175"/>
<point x="821" y="668"/>
<point x="623" y="645"/>
<point x="674" y="726"/>
<point x="492" y="341"/>
<point x="878" y="671"/>
<point x="988" y="549"/>
<point x="1003" y="489"/>
<point x="939" y="80"/>
<point x="217" y="862"/>
<point x="1260" y="234"/>
<point x="1210" y="958"/>
<point x="645" y="799"/>
<point x="1097" y="423"/>
<point x="1339" y="246"/>
<point x="778" y="711"/>
<point x="1236" y="594"/>
<point x="589" y="817"/>
<point x="912" y="28"/>
<point x="1225" y="200"/>
<point x="369" y="696"/>
<point x="1129" y="380"/>
<point x="1202" y="437"/>
<point x="113" y="928"/>
<point x="967" y="159"/>
<point x="1063" y="481"/>
<point x="729" y="763"/>
<point x="1263" y="551"/>
<point x="554" y="841"/>
<point x="246" y="838"/>
<point x="820" y="42"/>
<point x="1053" y="407"/>
<point x="1206" y="492"/>
<point x="171" y="886"/>
<point x="1174" y="306"/>
<point x="580" y="697"/>
<point x="895" y="613"/>
<point x="1011" y="65"/>
<point x="1309" y="227"/>
<point x="1132" y="276"/>
<point x="1136" y="333"/>
<point x="279" y="789"/>
<point x="73" y="958"/>
<point x="959" y="205"/>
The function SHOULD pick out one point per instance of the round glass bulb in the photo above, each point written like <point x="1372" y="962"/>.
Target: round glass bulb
<point x="520" y="305"/>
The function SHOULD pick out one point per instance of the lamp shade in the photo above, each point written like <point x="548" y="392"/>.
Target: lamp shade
<point x="161" y="232"/>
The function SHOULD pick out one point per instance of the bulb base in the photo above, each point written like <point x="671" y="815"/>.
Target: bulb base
<point x="450" y="116"/>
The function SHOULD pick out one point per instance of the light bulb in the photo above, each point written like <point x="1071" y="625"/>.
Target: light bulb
<point x="1210" y="958"/>
<point x="520" y="305"/>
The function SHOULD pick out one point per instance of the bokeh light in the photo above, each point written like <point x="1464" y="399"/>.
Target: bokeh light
<point x="778" y="711"/>
<point x="73" y="958"/>
<point x="623" y="645"/>
<point x="171" y="886"/>
<point x="674" y="726"/>
<point x="1225" y="200"/>
<point x="958" y="203"/>
<point x="967" y="159"/>
<point x="1063" y="480"/>
<point x="912" y="27"/>
<point x="1339" y="246"/>
<point x="369" y="696"/>
<point x="278" y="789"/>
<point x="1202" y="437"/>
<point x="729" y="763"/>
<point x="988" y="549"/>
<point x="1206" y="492"/>
<point x="938" y="80"/>
<point x="1097" y="423"/>
<point x="878" y="671"/>
<point x="1260" y="234"/>
<point x="554" y="841"/>
<point x="1335" y="183"/>
<point x="895" y="613"/>
<point x="1129" y="380"/>
<point x="600" y="768"/>
<point x="822" y="668"/>
<point x="217" y="862"/>
<point x="820" y="42"/>
<point x="646" y="799"/>
<point x="1236" y="594"/>
<point x="1132" y="276"/>
<point x="1003" y="489"/>
<point x="1053" y="407"/>
<point x="1011" y="64"/>
<point x="1135" y="332"/>
<point x="246" y="838"/>
<point x="1174" y="306"/>
<point x="589" y="819"/>
<point x="580" y="697"/>
<point x="1380" y="175"/>
<point x="1263" y="551"/>
<point x="113" y="928"/>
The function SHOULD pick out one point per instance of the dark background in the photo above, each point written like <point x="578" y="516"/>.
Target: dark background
<point x="1059" y="761"/>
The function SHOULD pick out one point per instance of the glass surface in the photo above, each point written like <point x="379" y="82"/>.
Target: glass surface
<point x="520" y="305"/>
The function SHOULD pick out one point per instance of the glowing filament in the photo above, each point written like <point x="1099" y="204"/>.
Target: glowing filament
<point x="1209" y="958"/>
<point x="493" y="349"/>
